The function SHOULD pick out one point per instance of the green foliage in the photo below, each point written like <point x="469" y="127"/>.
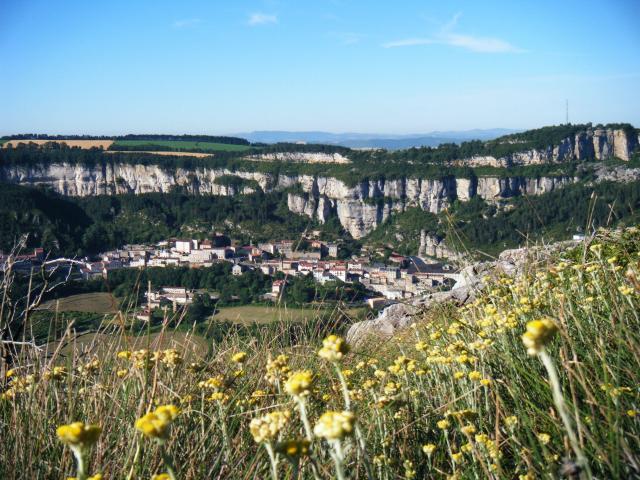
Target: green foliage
<point x="553" y="216"/>
<point x="246" y="288"/>
<point x="73" y="225"/>
<point x="304" y="289"/>
<point x="401" y="232"/>
<point x="238" y="183"/>
<point x="177" y="146"/>
<point x="50" y="221"/>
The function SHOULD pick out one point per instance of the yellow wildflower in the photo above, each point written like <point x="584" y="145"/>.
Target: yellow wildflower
<point x="335" y="425"/>
<point x="333" y="348"/>
<point x="429" y="448"/>
<point x="299" y="383"/>
<point x="239" y="357"/>
<point x="156" y="424"/>
<point x="267" y="427"/>
<point x="544" y="438"/>
<point x="78" y="434"/>
<point x="538" y="334"/>
<point x="443" y="424"/>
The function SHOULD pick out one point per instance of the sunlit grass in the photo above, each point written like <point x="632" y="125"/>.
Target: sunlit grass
<point x="459" y="395"/>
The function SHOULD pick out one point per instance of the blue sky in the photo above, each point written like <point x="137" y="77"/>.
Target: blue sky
<point x="395" y="67"/>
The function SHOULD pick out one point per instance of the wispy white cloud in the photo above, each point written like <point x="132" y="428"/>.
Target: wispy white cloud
<point x="469" y="42"/>
<point x="186" y="23"/>
<point x="480" y="44"/>
<point x="409" y="42"/>
<point x="261" y="19"/>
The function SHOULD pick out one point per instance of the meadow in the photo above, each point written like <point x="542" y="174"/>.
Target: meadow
<point x="536" y="378"/>
<point x="95" y="302"/>
<point x="182" y="145"/>
<point x="247" y="314"/>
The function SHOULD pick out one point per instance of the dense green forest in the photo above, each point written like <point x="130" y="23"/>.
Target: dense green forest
<point x="229" y="289"/>
<point x="80" y="225"/>
<point x="477" y="226"/>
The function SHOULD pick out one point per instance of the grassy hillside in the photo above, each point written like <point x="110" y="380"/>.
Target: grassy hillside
<point x="178" y="146"/>
<point x="461" y="395"/>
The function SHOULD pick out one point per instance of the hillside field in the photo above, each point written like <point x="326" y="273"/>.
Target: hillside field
<point x="248" y="314"/>
<point x="182" y="145"/>
<point x="98" y="302"/>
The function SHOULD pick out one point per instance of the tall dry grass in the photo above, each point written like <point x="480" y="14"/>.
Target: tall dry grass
<point x="455" y="396"/>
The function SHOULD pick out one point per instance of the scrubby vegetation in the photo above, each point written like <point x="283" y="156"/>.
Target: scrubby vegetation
<point x="425" y="162"/>
<point x="536" y="378"/>
<point x="81" y="225"/>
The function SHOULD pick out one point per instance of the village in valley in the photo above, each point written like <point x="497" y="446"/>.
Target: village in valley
<point x="387" y="278"/>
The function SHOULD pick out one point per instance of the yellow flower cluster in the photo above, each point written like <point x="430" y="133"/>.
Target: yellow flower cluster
<point x="89" y="368"/>
<point x="213" y="383"/>
<point x="78" y="434"/>
<point x="58" y="373"/>
<point x="97" y="476"/>
<point x="299" y="383"/>
<point x="18" y="385"/>
<point x="239" y="357"/>
<point x="156" y="424"/>
<point x="144" y="359"/>
<point x="335" y="425"/>
<point x="333" y="348"/>
<point x="277" y="369"/>
<point x="267" y="427"/>
<point x="538" y="334"/>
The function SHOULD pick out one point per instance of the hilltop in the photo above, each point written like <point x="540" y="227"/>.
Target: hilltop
<point x="370" y="193"/>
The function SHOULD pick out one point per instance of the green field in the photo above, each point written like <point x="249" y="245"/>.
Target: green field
<point x="248" y="314"/>
<point x="99" y="302"/>
<point x="182" y="145"/>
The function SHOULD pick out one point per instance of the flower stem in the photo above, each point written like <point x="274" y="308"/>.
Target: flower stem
<point x="79" y="455"/>
<point x="303" y="415"/>
<point x="168" y="463"/>
<point x="274" y="461"/>
<point x="337" y="455"/>
<point x="558" y="400"/>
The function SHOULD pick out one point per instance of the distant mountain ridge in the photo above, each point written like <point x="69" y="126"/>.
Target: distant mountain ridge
<point x="375" y="140"/>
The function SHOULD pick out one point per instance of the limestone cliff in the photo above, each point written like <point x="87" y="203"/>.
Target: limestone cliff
<point x="596" y="144"/>
<point x="360" y="207"/>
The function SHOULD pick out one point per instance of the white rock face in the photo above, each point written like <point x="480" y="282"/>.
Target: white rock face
<point x="301" y="157"/>
<point x="599" y="144"/>
<point x="360" y="208"/>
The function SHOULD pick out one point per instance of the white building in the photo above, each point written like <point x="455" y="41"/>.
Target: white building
<point x="183" y="246"/>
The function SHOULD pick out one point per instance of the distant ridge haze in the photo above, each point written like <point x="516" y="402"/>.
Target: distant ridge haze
<point x="376" y="140"/>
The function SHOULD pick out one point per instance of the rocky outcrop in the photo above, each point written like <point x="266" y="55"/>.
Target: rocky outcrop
<point x="433" y="246"/>
<point x="300" y="157"/>
<point x="471" y="281"/>
<point x="360" y="207"/>
<point x="596" y="144"/>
